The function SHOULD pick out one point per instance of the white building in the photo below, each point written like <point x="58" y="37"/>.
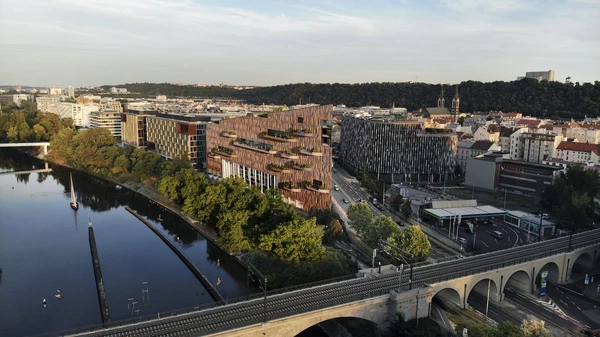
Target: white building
<point x="80" y="113"/>
<point x="71" y="92"/>
<point x="55" y="91"/>
<point x="110" y="120"/>
<point x="20" y="97"/>
<point x="117" y="91"/>
<point x="47" y="103"/>
<point x="539" y="75"/>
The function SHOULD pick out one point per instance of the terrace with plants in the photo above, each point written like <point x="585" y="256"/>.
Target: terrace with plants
<point x="254" y="145"/>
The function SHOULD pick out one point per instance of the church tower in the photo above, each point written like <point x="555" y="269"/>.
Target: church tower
<point x="441" y="101"/>
<point x="456" y="104"/>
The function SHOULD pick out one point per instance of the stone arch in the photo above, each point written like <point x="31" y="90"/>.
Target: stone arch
<point x="337" y="326"/>
<point x="553" y="273"/>
<point x="480" y="288"/>
<point x="582" y="263"/>
<point x="520" y="280"/>
<point x="448" y="295"/>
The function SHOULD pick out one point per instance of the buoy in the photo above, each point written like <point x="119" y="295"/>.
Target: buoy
<point x="44" y="302"/>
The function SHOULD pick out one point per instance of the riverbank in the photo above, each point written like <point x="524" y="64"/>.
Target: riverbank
<point x="156" y="197"/>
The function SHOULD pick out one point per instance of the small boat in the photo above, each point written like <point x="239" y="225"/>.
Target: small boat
<point x="74" y="204"/>
<point x="160" y="217"/>
<point x="59" y="296"/>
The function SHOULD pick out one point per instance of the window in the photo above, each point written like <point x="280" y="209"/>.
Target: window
<point x="300" y="119"/>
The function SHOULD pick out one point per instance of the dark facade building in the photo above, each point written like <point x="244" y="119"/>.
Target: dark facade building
<point x="287" y="150"/>
<point x="398" y="151"/>
<point x="529" y="178"/>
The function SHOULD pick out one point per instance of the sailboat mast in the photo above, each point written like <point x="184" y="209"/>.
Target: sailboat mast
<point x="72" y="190"/>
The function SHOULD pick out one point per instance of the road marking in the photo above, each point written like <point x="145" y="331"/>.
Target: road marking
<point x="485" y="244"/>
<point x="579" y="308"/>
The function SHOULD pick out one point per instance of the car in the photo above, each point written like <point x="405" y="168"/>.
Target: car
<point x="359" y="200"/>
<point x="336" y="188"/>
<point x="462" y="241"/>
<point x="345" y="201"/>
<point x="380" y="207"/>
<point x="400" y="223"/>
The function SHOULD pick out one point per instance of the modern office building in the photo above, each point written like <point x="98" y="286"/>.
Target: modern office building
<point x="110" y="120"/>
<point x="494" y="171"/>
<point x="398" y="151"/>
<point x="173" y="136"/>
<point x="133" y="127"/>
<point x="288" y="150"/>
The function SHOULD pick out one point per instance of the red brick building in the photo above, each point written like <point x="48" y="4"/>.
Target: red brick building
<point x="287" y="150"/>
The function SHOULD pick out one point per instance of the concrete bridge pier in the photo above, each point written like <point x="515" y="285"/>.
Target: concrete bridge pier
<point x="410" y="305"/>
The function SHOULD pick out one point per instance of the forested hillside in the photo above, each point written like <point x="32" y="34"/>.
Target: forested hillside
<point x="541" y="99"/>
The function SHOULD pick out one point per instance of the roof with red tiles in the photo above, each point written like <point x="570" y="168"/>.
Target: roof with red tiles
<point x="579" y="147"/>
<point x="529" y="122"/>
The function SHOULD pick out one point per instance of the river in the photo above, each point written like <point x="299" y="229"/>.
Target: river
<point x="44" y="247"/>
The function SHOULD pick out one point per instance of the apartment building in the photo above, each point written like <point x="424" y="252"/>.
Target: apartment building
<point x="487" y="132"/>
<point x="288" y="150"/>
<point x="171" y="136"/>
<point x="55" y="91"/>
<point x="46" y="103"/>
<point x="537" y="147"/>
<point x="117" y="91"/>
<point x="577" y="152"/>
<point x="110" y="104"/>
<point x="539" y="75"/>
<point x="80" y="113"/>
<point x="106" y="119"/>
<point x="398" y="151"/>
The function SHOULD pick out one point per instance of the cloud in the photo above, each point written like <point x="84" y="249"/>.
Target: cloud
<point x="324" y="41"/>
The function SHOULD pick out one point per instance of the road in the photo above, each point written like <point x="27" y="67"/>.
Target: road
<point x="534" y="307"/>
<point x="570" y="300"/>
<point x="350" y="190"/>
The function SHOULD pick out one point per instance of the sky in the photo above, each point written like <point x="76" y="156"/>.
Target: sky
<point x="268" y="42"/>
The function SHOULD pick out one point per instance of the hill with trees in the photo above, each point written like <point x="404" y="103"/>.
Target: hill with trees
<point x="527" y="96"/>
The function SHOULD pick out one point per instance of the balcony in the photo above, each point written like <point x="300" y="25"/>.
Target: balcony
<point x="213" y="155"/>
<point x="289" y="155"/>
<point x="316" y="188"/>
<point x="313" y="152"/>
<point x="224" y="151"/>
<point x="291" y="187"/>
<point x="279" y="136"/>
<point x="302" y="133"/>
<point x="228" y="134"/>
<point x="254" y="146"/>
<point x="302" y="167"/>
<point x="279" y="168"/>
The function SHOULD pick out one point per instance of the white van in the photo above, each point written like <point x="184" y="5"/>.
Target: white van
<point x="462" y="241"/>
<point x="497" y="234"/>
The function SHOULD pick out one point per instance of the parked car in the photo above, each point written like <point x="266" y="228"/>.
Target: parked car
<point x="462" y="241"/>
<point x="400" y="223"/>
<point x="345" y="201"/>
<point x="336" y="187"/>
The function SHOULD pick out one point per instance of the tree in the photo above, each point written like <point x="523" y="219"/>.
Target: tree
<point x="360" y="216"/>
<point x="534" y="328"/>
<point x="121" y="165"/>
<point x="232" y="235"/>
<point x="381" y="228"/>
<point x="406" y="208"/>
<point x="413" y="241"/>
<point x="295" y="241"/>
<point x="397" y="201"/>
<point x="335" y="230"/>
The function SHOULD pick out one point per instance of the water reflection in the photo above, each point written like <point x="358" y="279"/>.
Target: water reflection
<point x="43" y="251"/>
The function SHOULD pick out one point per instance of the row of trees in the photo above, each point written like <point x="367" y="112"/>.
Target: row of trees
<point x="528" y="96"/>
<point x="371" y="229"/>
<point x="571" y="196"/>
<point x="27" y="124"/>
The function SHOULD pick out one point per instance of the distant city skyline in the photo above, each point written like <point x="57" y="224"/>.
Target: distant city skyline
<point x="263" y="43"/>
